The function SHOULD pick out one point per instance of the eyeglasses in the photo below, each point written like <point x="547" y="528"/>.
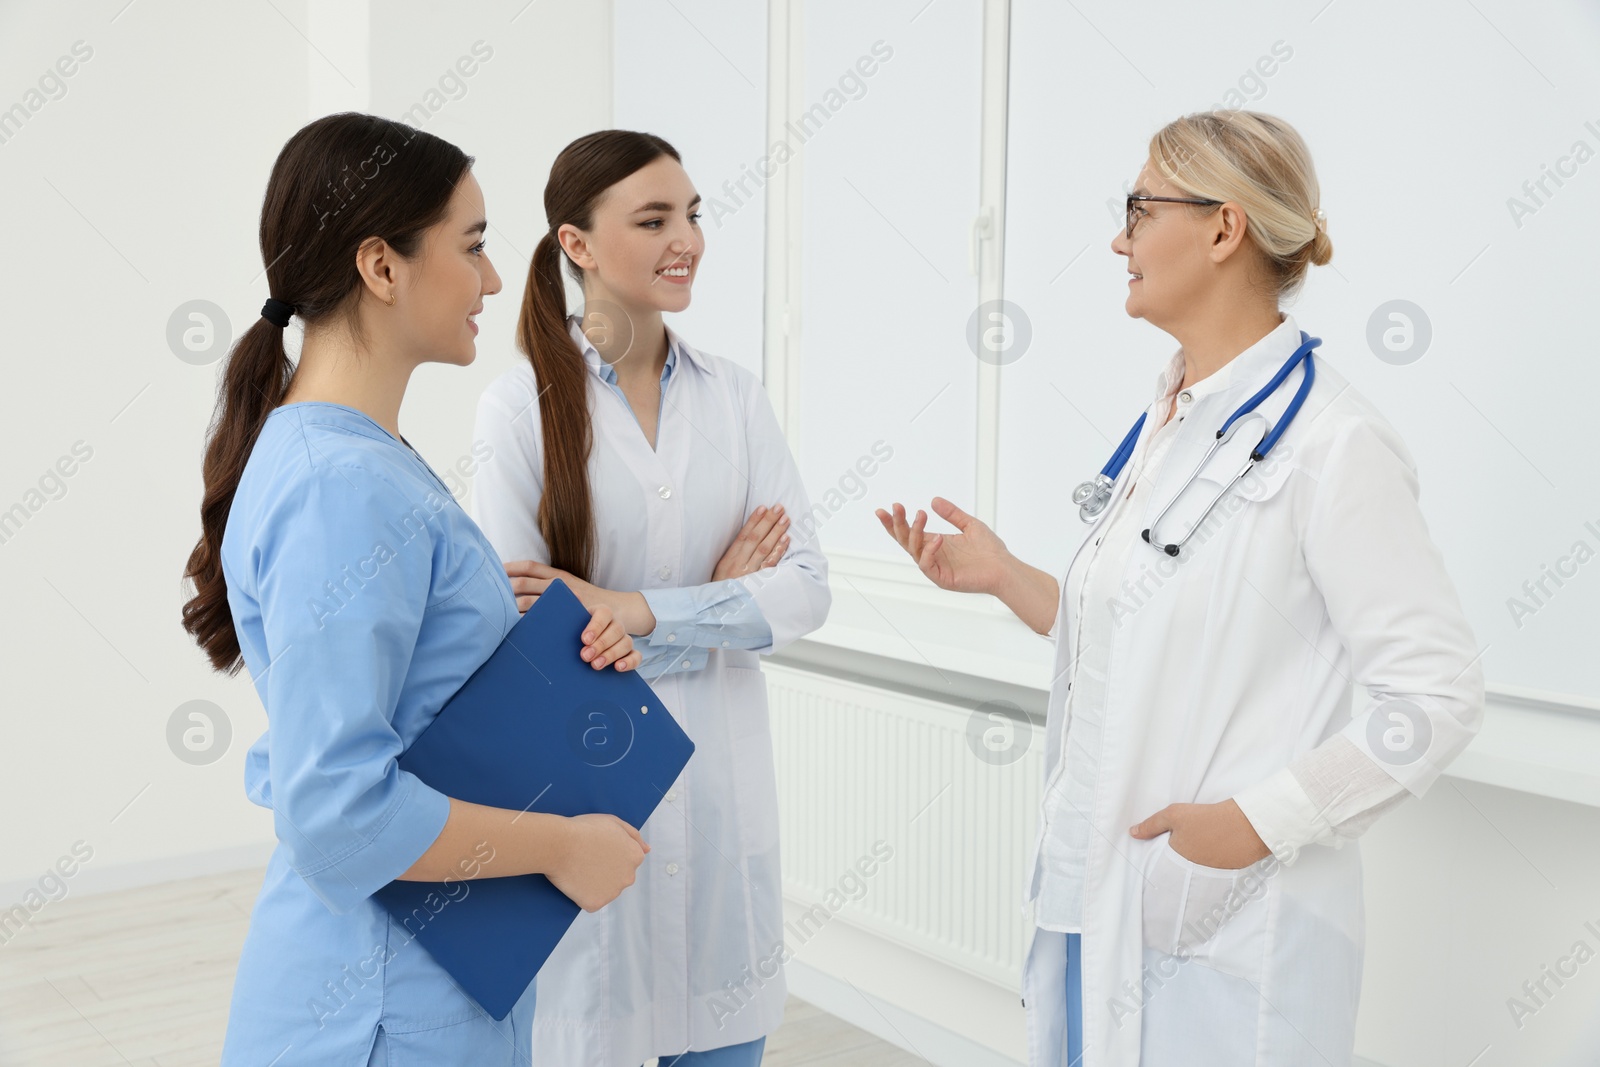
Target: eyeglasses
<point x="1163" y="199"/>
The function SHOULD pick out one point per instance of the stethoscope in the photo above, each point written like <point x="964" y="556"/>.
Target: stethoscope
<point x="1093" y="496"/>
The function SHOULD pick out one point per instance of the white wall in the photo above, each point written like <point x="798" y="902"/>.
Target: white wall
<point x="136" y="190"/>
<point x="1471" y="891"/>
<point x="891" y="185"/>
<point x="695" y="73"/>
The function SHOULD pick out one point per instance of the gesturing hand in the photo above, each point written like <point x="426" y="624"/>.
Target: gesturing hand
<point x="1212" y="835"/>
<point x="761" y="542"/>
<point x="972" y="561"/>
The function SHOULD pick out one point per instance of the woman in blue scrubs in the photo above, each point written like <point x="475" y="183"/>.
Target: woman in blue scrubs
<point x="338" y="567"/>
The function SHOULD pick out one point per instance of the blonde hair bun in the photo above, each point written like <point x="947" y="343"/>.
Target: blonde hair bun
<point x="1261" y="163"/>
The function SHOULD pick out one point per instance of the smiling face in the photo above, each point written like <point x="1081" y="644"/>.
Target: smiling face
<point x="1174" y="252"/>
<point x="444" y="286"/>
<point x="644" y="244"/>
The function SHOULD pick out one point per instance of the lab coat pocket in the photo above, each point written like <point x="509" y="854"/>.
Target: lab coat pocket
<point x="755" y="779"/>
<point x="1265" y="478"/>
<point x="1206" y="914"/>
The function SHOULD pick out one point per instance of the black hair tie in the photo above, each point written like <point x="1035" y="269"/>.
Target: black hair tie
<point x="277" y="312"/>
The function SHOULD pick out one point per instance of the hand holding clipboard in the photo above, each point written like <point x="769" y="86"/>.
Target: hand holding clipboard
<point x="534" y="729"/>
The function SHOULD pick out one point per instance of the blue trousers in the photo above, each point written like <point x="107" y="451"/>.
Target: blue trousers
<point x="745" y="1055"/>
<point x="1074" y="1000"/>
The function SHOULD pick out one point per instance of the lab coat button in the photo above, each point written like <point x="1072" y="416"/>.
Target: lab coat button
<point x="664" y="492"/>
<point x="724" y="644"/>
<point x="687" y="664"/>
<point x="672" y="637"/>
<point x="665" y="572"/>
<point x="1185" y="396"/>
<point x="672" y="794"/>
<point x="672" y="868"/>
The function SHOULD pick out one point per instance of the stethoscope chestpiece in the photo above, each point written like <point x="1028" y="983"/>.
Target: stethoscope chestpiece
<point x="1092" y="497"/>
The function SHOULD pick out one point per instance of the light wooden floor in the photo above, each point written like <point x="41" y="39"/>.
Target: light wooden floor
<point x="142" y="978"/>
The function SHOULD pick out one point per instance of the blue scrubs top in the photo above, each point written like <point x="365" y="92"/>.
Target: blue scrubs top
<point x="363" y="597"/>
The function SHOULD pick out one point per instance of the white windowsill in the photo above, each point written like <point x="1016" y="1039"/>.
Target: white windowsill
<point x="1546" y="744"/>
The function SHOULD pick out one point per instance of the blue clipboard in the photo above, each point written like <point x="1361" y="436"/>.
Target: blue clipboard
<point x="534" y="729"/>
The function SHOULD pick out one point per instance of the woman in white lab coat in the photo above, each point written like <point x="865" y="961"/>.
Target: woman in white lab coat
<point x="1197" y="896"/>
<point x="653" y="478"/>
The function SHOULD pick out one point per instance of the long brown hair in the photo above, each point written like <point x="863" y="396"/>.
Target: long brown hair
<point x="337" y="182"/>
<point x="582" y="173"/>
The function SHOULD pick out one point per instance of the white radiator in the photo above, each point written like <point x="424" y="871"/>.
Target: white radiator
<point x="857" y="765"/>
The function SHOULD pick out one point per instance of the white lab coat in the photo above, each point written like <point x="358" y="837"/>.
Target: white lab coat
<point x="688" y="957"/>
<point x="1320" y="575"/>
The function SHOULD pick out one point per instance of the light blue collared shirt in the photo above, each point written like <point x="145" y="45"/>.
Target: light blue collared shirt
<point x="608" y="374"/>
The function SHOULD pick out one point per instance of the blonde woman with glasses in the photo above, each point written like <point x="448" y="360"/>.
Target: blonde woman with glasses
<point x="1196" y="886"/>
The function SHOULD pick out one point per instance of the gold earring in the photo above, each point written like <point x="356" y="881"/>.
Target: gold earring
<point x="391" y="300"/>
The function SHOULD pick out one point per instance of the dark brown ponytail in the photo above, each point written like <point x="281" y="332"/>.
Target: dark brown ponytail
<point x="582" y="173"/>
<point x="338" y="182"/>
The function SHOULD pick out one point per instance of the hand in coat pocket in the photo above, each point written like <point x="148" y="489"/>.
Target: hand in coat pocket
<point x="1212" y="835"/>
